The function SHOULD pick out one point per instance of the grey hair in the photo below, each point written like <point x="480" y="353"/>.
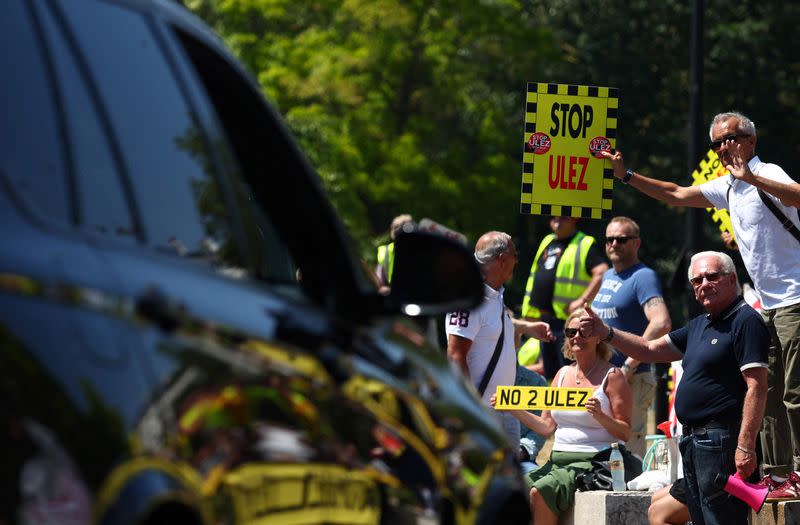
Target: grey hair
<point x="746" y="125"/>
<point x="724" y="258"/>
<point x="498" y="244"/>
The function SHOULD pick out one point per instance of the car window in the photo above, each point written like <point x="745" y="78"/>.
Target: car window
<point x="101" y="203"/>
<point x="29" y="130"/>
<point x="209" y="72"/>
<point x="266" y="250"/>
<point x="285" y="190"/>
<point x="186" y="208"/>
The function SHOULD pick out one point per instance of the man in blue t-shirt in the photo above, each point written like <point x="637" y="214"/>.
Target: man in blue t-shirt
<point x="630" y="299"/>
<point x="723" y="390"/>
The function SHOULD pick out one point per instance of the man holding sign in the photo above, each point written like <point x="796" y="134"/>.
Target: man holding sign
<point x="762" y="200"/>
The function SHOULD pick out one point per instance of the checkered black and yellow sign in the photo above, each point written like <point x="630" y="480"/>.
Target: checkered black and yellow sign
<point x="709" y="169"/>
<point x="566" y="126"/>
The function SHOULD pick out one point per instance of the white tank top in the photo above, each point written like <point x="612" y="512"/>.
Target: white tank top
<point x="577" y="430"/>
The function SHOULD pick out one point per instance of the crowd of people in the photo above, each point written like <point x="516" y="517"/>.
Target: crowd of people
<point x="600" y="325"/>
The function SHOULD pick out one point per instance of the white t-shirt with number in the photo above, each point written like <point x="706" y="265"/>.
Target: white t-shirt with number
<point x="482" y="326"/>
<point x="770" y="253"/>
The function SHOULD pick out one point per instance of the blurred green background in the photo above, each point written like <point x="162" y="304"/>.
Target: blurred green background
<point x="417" y="106"/>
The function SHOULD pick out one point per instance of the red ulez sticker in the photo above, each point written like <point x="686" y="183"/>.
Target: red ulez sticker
<point x="597" y="145"/>
<point x="539" y="143"/>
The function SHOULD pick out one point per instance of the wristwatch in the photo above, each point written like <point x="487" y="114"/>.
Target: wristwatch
<point x="608" y="336"/>
<point x="628" y="175"/>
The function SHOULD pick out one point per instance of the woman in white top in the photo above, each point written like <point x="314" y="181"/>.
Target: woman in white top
<point x="579" y="435"/>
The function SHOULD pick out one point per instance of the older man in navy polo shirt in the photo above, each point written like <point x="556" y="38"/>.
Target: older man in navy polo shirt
<point x="723" y="391"/>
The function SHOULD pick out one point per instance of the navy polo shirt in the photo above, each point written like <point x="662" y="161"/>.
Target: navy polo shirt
<point x="715" y="352"/>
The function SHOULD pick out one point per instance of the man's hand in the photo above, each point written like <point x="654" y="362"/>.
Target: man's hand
<point x="591" y="325"/>
<point x="729" y="241"/>
<point x="536" y="329"/>
<point x="541" y="331"/>
<point x="730" y="153"/>
<point x="616" y="162"/>
<point x="745" y="463"/>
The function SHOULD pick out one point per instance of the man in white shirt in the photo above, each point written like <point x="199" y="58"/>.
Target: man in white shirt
<point x="771" y="255"/>
<point x="473" y="335"/>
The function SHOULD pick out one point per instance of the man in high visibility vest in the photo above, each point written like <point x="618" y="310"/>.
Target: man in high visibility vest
<point x="566" y="272"/>
<point x="383" y="271"/>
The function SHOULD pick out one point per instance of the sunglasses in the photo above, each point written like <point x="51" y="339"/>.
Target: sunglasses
<point x="711" y="277"/>
<point x="572" y="332"/>
<point x="716" y="144"/>
<point x="622" y="239"/>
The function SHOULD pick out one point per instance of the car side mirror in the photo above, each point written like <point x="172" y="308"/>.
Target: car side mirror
<point x="433" y="275"/>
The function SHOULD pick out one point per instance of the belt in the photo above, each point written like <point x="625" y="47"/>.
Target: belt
<point x="700" y="428"/>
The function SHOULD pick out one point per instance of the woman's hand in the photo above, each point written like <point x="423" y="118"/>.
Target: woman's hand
<point x="594" y="408"/>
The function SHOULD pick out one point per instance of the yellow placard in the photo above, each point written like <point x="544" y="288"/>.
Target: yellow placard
<point x="565" y="127"/>
<point x="541" y="398"/>
<point x="710" y="168"/>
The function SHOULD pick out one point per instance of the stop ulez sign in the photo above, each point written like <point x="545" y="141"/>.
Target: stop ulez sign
<point x="566" y="128"/>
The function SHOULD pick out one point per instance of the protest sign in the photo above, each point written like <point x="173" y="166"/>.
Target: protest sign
<point x="566" y="126"/>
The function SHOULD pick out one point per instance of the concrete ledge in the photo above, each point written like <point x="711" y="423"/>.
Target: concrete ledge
<point x="610" y="508"/>
<point x="781" y="513"/>
<point x="603" y="507"/>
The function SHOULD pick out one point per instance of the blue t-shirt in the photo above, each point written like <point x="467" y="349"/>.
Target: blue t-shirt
<point x="620" y="302"/>
<point x="714" y="353"/>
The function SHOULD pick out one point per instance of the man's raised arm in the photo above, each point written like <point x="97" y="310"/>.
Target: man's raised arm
<point x="664" y="191"/>
<point x="658" y="351"/>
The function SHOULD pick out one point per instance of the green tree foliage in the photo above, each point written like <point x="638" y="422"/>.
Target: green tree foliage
<point x="642" y="48"/>
<point x="417" y="105"/>
<point x="403" y="106"/>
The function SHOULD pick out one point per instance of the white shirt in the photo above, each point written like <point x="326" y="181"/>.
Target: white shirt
<point x="482" y="326"/>
<point x="578" y="430"/>
<point x="770" y="253"/>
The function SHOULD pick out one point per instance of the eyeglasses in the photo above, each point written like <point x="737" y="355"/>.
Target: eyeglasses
<point x="711" y="277"/>
<point x="622" y="239"/>
<point x="716" y="144"/>
<point x="571" y="332"/>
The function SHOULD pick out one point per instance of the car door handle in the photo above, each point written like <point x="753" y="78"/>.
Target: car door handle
<point x="155" y="306"/>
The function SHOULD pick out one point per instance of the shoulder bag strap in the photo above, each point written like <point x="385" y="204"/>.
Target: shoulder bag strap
<point x="498" y="349"/>
<point x="783" y="219"/>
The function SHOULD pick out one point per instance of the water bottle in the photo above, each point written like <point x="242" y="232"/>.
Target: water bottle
<point x="617" y="467"/>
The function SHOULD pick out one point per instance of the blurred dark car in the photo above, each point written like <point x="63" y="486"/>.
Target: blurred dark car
<point x="186" y="335"/>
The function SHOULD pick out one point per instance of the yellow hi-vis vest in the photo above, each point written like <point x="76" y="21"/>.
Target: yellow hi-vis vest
<point x="529" y="352"/>
<point x="386" y="259"/>
<point x="571" y="275"/>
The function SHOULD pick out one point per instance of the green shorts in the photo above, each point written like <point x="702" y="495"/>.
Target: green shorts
<point x="555" y="480"/>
